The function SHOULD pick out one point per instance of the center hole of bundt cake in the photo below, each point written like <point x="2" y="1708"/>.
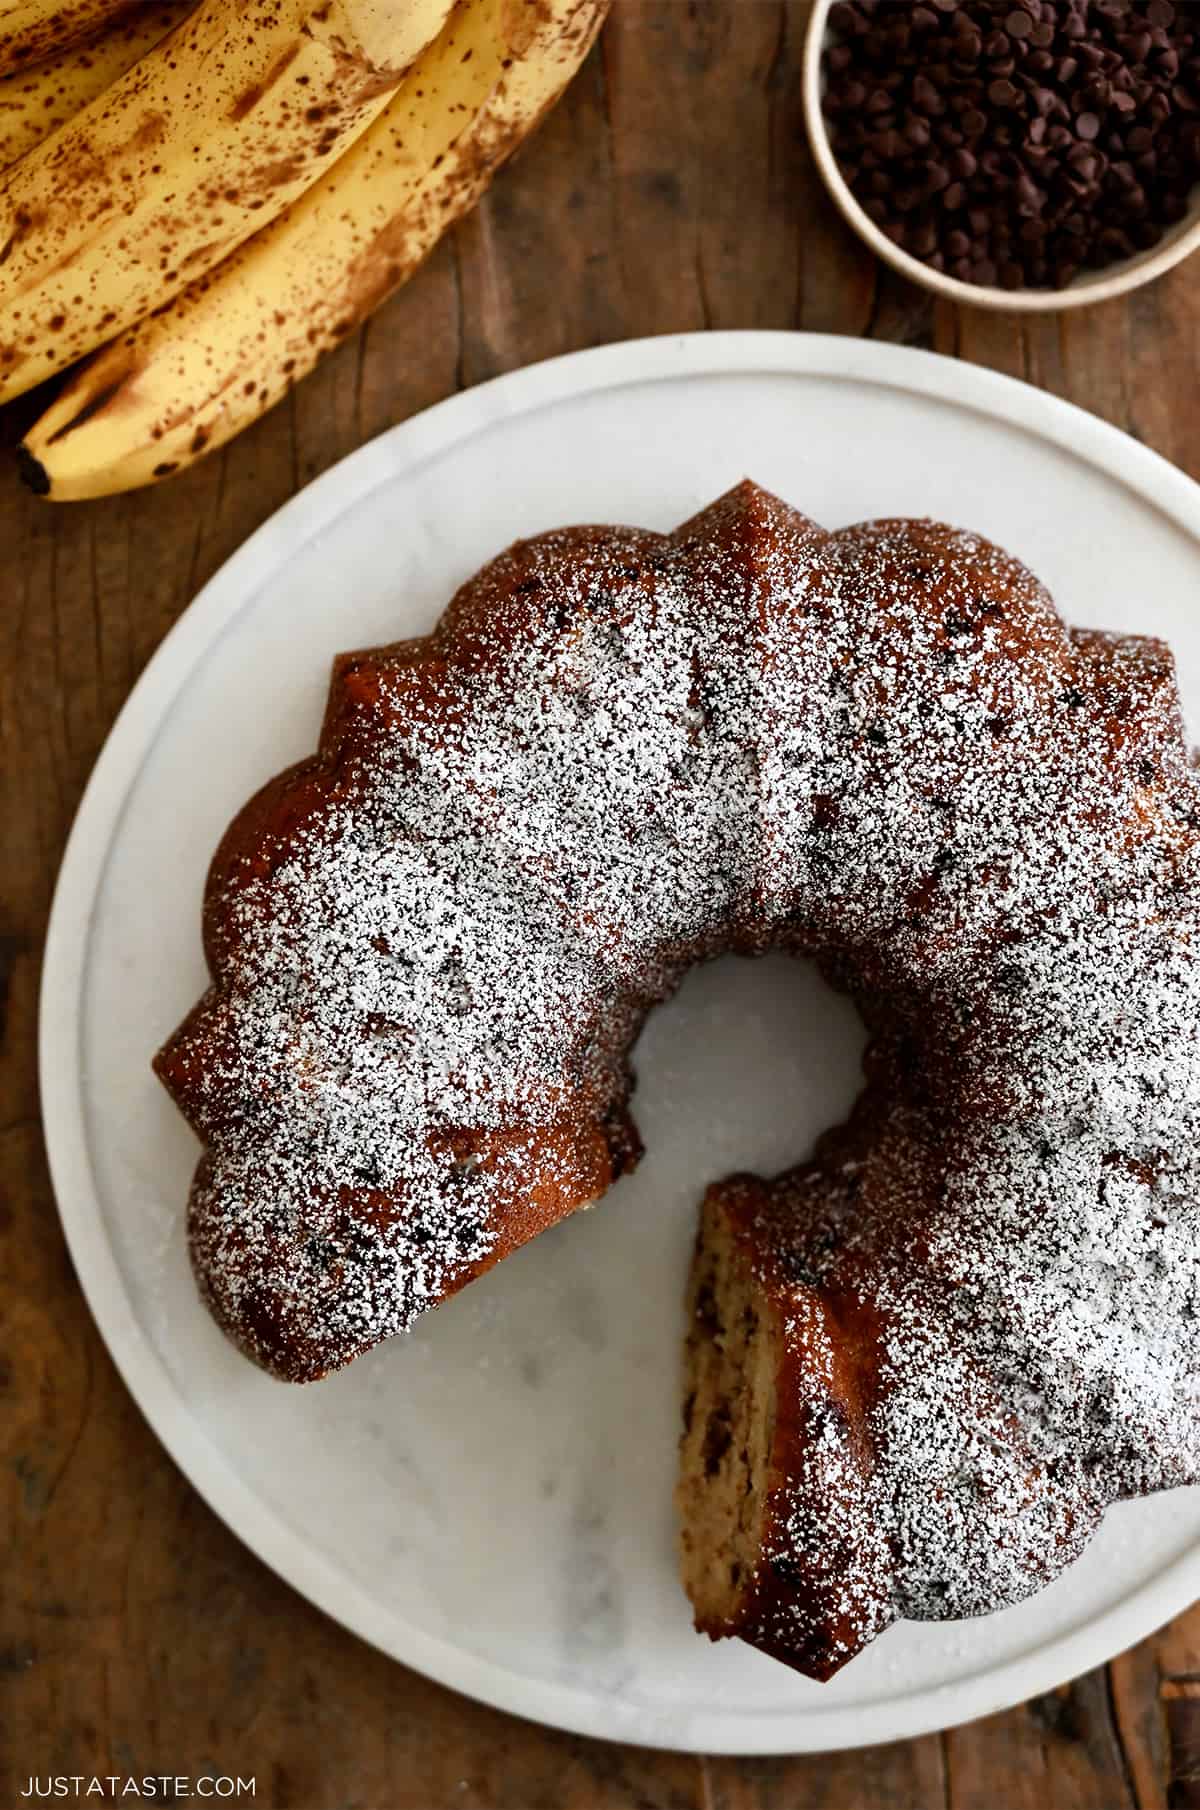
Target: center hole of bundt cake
<point x="744" y="1068"/>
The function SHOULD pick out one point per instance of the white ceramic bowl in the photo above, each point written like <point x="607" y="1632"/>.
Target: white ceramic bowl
<point x="1088" y="287"/>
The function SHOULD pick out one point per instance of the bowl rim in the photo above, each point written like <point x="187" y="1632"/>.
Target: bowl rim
<point x="1131" y="273"/>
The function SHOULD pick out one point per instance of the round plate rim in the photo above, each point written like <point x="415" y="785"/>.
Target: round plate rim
<point x="732" y="353"/>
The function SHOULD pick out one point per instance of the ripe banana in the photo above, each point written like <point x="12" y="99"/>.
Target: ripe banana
<point x="35" y="102"/>
<point x="201" y="143"/>
<point x="190" y="377"/>
<point x="32" y="29"/>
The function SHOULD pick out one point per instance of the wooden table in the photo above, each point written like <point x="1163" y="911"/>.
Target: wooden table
<point x="671" y="191"/>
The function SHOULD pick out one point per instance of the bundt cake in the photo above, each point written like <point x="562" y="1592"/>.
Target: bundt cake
<point x="921" y="1364"/>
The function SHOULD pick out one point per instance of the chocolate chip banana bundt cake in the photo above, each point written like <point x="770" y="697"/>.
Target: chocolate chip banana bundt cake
<point x="921" y="1364"/>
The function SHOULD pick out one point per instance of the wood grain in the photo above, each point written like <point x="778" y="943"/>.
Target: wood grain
<point x="671" y="191"/>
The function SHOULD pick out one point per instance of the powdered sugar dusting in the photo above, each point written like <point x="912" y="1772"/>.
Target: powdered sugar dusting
<point x="621" y="753"/>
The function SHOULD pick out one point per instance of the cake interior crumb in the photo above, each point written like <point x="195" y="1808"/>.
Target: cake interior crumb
<point x="729" y="1411"/>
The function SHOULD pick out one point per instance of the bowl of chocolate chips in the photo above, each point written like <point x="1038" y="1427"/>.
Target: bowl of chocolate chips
<point x="1016" y="154"/>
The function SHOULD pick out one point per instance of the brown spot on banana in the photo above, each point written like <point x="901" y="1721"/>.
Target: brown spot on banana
<point x="246" y="102"/>
<point x="523" y="19"/>
<point x="151" y="130"/>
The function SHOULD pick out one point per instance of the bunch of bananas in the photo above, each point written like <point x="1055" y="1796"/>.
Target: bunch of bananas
<point x="201" y="197"/>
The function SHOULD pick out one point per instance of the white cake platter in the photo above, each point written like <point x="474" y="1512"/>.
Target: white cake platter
<point x="489" y="1499"/>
